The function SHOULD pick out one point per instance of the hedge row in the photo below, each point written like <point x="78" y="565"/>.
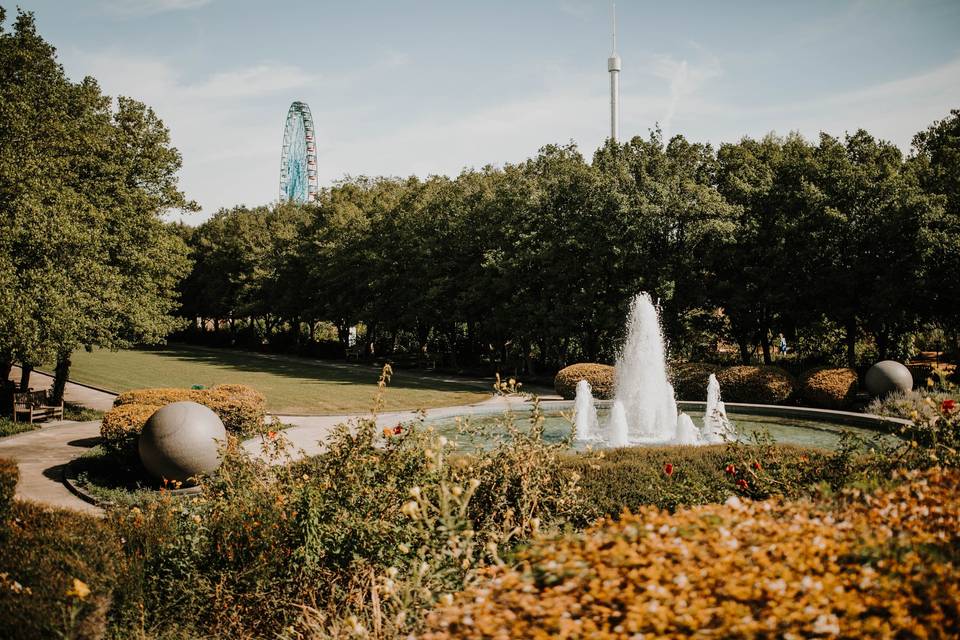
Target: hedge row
<point x="825" y="387"/>
<point x="241" y="408"/>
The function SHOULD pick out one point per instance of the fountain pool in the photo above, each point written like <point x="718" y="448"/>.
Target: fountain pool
<point x="817" y="429"/>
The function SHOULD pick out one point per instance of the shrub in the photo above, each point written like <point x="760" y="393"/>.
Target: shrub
<point x="631" y="478"/>
<point x="9" y="475"/>
<point x="600" y="377"/>
<point x="916" y="405"/>
<point x="241" y="408"/>
<point x="157" y="397"/>
<point x="865" y="566"/>
<point x="59" y="573"/>
<point x="756" y="384"/>
<point x="123" y="423"/>
<point x="689" y="379"/>
<point x="829" y="388"/>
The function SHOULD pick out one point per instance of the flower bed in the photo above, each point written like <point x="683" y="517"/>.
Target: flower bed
<point x="870" y="566"/>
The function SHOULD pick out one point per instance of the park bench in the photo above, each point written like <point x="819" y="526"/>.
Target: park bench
<point x="35" y="405"/>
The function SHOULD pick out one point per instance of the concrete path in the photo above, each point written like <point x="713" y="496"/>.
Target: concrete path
<point x="42" y="454"/>
<point x="73" y="393"/>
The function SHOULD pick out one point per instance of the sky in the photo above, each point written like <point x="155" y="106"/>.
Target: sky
<point x="420" y="87"/>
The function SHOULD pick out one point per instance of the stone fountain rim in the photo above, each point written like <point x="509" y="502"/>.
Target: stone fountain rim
<point x="847" y="418"/>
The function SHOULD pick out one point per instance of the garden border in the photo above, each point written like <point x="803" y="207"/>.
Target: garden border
<point x="71" y="481"/>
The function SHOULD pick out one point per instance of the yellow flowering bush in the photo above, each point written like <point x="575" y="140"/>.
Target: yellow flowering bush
<point x="869" y="565"/>
<point x="600" y="377"/>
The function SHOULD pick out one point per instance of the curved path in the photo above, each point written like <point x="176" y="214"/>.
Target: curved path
<point x="43" y="453"/>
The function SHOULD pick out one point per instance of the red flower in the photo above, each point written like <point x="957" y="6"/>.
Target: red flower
<point x="271" y="434"/>
<point x="668" y="469"/>
<point x="387" y="432"/>
<point x="743" y="484"/>
<point x="948" y="405"/>
<point x="397" y="430"/>
<point x="756" y="465"/>
<point x="730" y="469"/>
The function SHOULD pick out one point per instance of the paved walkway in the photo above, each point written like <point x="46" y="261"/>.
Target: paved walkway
<point x="42" y="454"/>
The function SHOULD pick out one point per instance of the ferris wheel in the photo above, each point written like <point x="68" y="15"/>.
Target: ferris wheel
<point x="298" y="163"/>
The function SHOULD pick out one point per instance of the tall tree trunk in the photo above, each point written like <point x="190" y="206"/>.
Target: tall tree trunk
<point x="852" y="344"/>
<point x="765" y="345"/>
<point x="744" y="345"/>
<point x="61" y="374"/>
<point x="883" y="344"/>
<point x="25" y="371"/>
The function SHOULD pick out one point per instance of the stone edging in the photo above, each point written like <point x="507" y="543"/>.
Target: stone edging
<point x="72" y="483"/>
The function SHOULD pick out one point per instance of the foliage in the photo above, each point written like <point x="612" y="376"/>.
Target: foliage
<point x="690" y="379"/>
<point x="121" y="425"/>
<point x="829" y="387"/>
<point x="9" y="476"/>
<point x="909" y="405"/>
<point x="8" y="427"/>
<point x="865" y="566"/>
<point x="61" y="573"/>
<point x="86" y="257"/>
<point x="631" y="478"/>
<point x="756" y="384"/>
<point x="241" y="408"/>
<point x="600" y="377"/>
<point x="367" y="535"/>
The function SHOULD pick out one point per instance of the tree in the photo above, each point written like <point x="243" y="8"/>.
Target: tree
<point x="82" y="189"/>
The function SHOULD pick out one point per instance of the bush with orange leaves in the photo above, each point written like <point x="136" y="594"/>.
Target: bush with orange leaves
<point x="241" y="408"/>
<point x="867" y="565"/>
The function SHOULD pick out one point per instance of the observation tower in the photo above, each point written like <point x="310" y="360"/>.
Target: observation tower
<point x="613" y="66"/>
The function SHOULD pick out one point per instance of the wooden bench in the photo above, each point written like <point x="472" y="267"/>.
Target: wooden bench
<point x="35" y="405"/>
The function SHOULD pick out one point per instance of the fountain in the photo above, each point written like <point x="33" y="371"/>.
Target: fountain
<point x="644" y="410"/>
<point x="585" y="413"/>
<point x="716" y="425"/>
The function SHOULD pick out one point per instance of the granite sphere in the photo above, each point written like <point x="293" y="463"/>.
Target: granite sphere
<point x="182" y="440"/>
<point x="887" y="376"/>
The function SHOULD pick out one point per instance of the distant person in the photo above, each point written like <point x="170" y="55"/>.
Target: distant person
<point x="782" y="343"/>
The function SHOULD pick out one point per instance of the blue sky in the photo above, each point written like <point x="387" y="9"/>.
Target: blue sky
<point x="418" y="87"/>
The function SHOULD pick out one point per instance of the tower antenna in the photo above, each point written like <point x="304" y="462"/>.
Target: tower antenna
<point x="613" y="66"/>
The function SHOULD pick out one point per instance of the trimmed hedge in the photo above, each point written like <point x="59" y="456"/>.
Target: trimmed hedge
<point x="690" y="379"/>
<point x="829" y="387"/>
<point x="756" y="384"/>
<point x="600" y="377"/>
<point x="124" y="422"/>
<point x="241" y="408"/>
<point x="45" y="553"/>
<point x="9" y="475"/>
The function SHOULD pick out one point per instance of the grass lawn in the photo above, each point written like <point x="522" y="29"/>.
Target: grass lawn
<point x="292" y="385"/>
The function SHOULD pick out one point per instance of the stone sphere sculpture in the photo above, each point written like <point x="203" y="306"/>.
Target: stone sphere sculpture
<point x="182" y="440"/>
<point x="887" y="376"/>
